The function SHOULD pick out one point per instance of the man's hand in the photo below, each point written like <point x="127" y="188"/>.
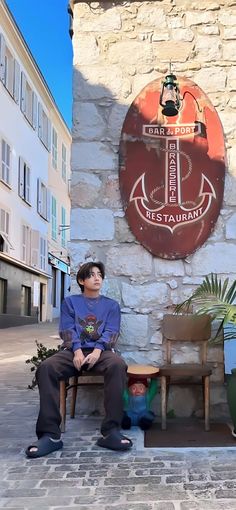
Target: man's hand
<point x="92" y="358"/>
<point x="78" y="359"/>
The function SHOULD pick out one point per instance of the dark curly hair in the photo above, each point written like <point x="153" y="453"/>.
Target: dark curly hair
<point x="85" y="272"/>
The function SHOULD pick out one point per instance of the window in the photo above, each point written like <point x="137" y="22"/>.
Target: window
<point x="6" y="162"/>
<point x="5" y="244"/>
<point x="63" y="162"/>
<point x="54" y="219"/>
<point x="43" y="200"/>
<point x="3" y="295"/>
<point x="44" y="127"/>
<point x="24" y="180"/>
<point x="28" y="101"/>
<point x="9" y="70"/>
<point x="43" y="253"/>
<point x="63" y="227"/>
<point x="26" y="244"/>
<point x="25" y="300"/>
<point x="54" y="148"/>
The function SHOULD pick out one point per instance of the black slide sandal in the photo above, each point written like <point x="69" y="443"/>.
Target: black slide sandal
<point x="44" y="446"/>
<point x="114" y="441"/>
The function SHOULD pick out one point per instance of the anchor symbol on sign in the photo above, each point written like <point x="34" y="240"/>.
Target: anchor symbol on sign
<point x="172" y="213"/>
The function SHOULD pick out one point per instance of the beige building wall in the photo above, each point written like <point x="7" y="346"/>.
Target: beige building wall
<point x="118" y="49"/>
<point x="59" y="228"/>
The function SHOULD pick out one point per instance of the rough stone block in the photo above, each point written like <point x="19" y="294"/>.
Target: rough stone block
<point x="105" y="21"/>
<point x="162" y="50"/>
<point x="116" y="118"/>
<point x="92" y="224"/>
<point x="229" y="51"/>
<point x="80" y="252"/>
<point x="230" y="188"/>
<point x="210" y="80"/>
<point x="200" y="18"/>
<point x="134" y="330"/>
<point x="123" y="232"/>
<point x="206" y="50"/>
<point x="147" y="296"/>
<point x="147" y="16"/>
<point x="227" y="18"/>
<point x="92" y="156"/>
<point x="88" y="122"/>
<point x="231" y="227"/>
<point x="85" y="49"/>
<point x="123" y="53"/>
<point x="167" y="268"/>
<point x="94" y="82"/>
<point x="214" y="258"/>
<point x="85" y="188"/>
<point x="132" y="261"/>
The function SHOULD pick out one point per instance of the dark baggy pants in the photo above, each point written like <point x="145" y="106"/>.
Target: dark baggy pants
<point x="60" y="366"/>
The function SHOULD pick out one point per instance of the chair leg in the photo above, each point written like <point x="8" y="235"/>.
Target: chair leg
<point x="63" y="405"/>
<point x="207" y="402"/>
<point x="163" y="402"/>
<point x="74" y="381"/>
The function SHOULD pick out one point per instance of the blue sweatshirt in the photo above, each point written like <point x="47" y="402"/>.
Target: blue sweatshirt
<point x="89" y="323"/>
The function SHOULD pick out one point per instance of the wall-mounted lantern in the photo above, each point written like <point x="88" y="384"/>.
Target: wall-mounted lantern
<point x="170" y="96"/>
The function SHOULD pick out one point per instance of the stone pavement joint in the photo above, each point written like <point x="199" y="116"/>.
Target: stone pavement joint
<point x="82" y="475"/>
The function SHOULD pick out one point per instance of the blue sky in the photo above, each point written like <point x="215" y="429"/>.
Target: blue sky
<point x="44" y="25"/>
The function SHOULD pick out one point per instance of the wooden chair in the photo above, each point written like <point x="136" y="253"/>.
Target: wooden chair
<point x="186" y="329"/>
<point x="91" y="378"/>
<point x="85" y="379"/>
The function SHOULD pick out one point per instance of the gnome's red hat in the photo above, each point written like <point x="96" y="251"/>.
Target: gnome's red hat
<point x="134" y="380"/>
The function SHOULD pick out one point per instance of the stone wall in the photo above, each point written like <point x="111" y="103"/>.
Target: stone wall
<point x="118" y="49"/>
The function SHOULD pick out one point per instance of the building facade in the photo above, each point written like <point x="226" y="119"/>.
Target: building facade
<point x="34" y="264"/>
<point x="119" y="48"/>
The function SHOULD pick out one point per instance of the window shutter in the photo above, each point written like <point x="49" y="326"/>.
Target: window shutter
<point x="7" y="221"/>
<point x="24" y="243"/>
<point x="2" y="220"/>
<point x="27" y="185"/>
<point x="63" y="227"/>
<point x="2" y="58"/>
<point x="16" y="85"/>
<point x="23" y="93"/>
<point x="35" y="239"/>
<point x="39" y="196"/>
<point x="48" y="205"/>
<point x="40" y="121"/>
<point x="35" y="104"/>
<point x="43" y="250"/>
<point x="49" y="135"/>
<point x="21" y="178"/>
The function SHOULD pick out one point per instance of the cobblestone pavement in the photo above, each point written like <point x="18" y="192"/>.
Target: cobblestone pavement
<point x="84" y="476"/>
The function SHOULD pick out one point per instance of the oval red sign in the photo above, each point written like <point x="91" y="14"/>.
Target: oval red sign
<point x="172" y="170"/>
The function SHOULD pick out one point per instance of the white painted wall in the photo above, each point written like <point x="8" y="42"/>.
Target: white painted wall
<point x="24" y="142"/>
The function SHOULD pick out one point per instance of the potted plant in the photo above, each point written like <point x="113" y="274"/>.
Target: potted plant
<point x="217" y="299"/>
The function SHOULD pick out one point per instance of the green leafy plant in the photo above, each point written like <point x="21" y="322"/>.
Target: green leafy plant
<point x="43" y="352"/>
<point x="215" y="298"/>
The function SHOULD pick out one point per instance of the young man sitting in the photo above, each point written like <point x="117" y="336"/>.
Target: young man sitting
<point x="89" y="327"/>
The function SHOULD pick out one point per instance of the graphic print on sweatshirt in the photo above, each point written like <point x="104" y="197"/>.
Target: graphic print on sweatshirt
<point x="89" y="327"/>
